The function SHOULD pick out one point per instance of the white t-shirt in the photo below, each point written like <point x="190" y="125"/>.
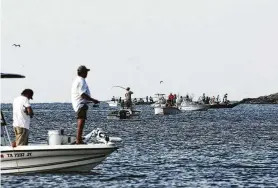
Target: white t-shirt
<point x="79" y="86"/>
<point x="20" y="118"/>
<point x="128" y="95"/>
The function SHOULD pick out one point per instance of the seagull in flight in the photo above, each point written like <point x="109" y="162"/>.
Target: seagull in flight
<point x="16" y="45"/>
<point x="161" y="82"/>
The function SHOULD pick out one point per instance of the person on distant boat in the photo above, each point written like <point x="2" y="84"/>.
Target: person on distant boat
<point x="187" y="97"/>
<point x="175" y="99"/>
<point x="204" y="98"/>
<point x="22" y="114"/>
<point x="113" y="99"/>
<point x="213" y="100"/>
<point x="147" y="99"/>
<point x="171" y="98"/>
<point x="225" y="98"/>
<point x="217" y="99"/>
<point x="80" y="96"/>
<point x="207" y="100"/>
<point x="151" y="99"/>
<point x="134" y="100"/>
<point x="128" y="97"/>
<point x="180" y="100"/>
<point x="162" y="100"/>
<point x="120" y="99"/>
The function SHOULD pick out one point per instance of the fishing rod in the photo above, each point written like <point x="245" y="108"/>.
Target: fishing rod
<point x="120" y="87"/>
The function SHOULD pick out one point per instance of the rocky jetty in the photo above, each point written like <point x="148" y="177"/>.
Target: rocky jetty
<point x="269" y="99"/>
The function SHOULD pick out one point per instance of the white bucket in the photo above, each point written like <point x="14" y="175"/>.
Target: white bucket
<point x="54" y="137"/>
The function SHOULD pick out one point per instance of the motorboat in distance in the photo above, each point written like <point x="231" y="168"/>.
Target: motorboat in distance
<point x="192" y="106"/>
<point x="124" y="114"/>
<point x="160" y="107"/>
<point x="223" y="105"/>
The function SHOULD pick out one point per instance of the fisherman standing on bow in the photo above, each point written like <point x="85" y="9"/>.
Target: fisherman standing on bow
<point x="80" y="96"/>
<point x="128" y="97"/>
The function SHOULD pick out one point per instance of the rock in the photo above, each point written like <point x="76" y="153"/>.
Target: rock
<point x="270" y="99"/>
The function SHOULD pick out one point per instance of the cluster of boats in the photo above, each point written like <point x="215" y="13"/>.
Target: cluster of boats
<point x="161" y="106"/>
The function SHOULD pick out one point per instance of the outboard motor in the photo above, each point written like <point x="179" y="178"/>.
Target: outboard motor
<point x="101" y="136"/>
<point x="123" y="114"/>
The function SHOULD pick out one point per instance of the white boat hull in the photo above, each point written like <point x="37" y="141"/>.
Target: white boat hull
<point x="156" y="105"/>
<point x="113" y="103"/>
<point x="193" y="107"/>
<point x="46" y="158"/>
<point x="166" y="110"/>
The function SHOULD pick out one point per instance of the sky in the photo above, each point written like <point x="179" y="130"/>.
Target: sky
<point x="193" y="46"/>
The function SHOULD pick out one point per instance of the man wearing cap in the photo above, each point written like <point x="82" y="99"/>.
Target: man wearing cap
<point x="22" y="112"/>
<point x="128" y="97"/>
<point x="80" y="96"/>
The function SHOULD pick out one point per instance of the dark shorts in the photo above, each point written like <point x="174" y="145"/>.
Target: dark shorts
<point x="82" y="112"/>
<point x="128" y="103"/>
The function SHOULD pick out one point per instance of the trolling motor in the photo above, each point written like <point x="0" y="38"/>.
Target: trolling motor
<point x="100" y="136"/>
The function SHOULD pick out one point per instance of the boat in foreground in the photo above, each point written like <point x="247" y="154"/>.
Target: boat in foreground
<point x="27" y="159"/>
<point x="60" y="154"/>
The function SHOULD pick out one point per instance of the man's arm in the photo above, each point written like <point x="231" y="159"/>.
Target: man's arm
<point x="87" y="97"/>
<point x="30" y="111"/>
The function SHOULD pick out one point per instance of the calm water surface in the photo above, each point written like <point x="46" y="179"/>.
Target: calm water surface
<point x="219" y="148"/>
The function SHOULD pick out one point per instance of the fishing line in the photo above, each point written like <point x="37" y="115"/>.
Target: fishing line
<point x="38" y="120"/>
<point x="6" y="130"/>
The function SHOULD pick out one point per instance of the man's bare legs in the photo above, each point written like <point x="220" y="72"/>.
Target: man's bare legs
<point x="80" y="125"/>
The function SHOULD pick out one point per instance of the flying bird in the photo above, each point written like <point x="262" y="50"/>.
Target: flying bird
<point x="16" y="45"/>
<point x="161" y="82"/>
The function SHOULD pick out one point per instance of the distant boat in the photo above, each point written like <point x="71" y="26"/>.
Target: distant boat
<point x="192" y="106"/>
<point x="223" y="105"/>
<point x="161" y="101"/>
<point x="113" y="103"/>
<point x="143" y="103"/>
<point x="124" y="114"/>
<point x="166" y="110"/>
<point x="160" y="107"/>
